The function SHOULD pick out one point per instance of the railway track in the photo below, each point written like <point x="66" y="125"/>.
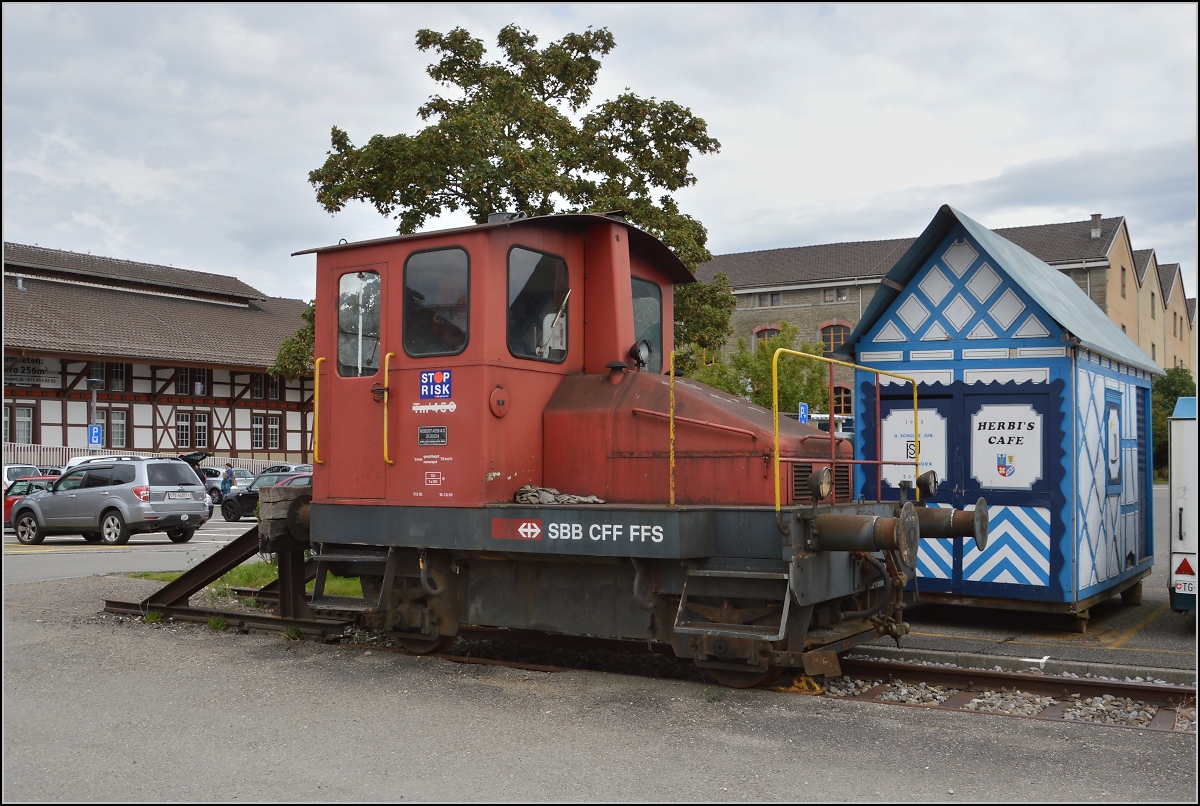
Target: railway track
<point x="1053" y="698"/>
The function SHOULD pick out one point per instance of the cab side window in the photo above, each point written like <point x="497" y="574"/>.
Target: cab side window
<point x="537" y="305"/>
<point x="436" y="296"/>
<point x="647" y="320"/>
<point x="358" y="324"/>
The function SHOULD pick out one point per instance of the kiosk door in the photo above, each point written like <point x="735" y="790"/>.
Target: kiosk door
<point x="351" y="395"/>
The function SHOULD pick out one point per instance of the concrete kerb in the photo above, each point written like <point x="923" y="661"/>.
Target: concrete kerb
<point x="971" y="660"/>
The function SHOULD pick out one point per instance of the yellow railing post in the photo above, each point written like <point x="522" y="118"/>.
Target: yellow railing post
<point x="775" y="410"/>
<point x="316" y="404"/>
<point x="387" y="383"/>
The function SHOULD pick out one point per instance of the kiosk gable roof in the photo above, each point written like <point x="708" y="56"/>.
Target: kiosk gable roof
<point x="1052" y="290"/>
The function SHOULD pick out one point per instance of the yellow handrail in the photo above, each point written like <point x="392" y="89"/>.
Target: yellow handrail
<point x="316" y="411"/>
<point x="387" y="360"/>
<point x="775" y="410"/>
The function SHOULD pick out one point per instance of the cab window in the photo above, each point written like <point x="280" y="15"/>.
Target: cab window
<point x="647" y="320"/>
<point x="435" y="302"/>
<point x="358" y="324"/>
<point x="537" y="305"/>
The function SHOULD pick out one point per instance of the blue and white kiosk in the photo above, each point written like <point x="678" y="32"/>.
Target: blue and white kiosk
<point x="1030" y="397"/>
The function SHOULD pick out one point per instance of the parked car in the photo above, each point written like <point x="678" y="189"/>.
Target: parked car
<point x="240" y="503"/>
<point x="50" y="470"/>
<point x="14" y="472"/>
<point x="21" y="488"/>
<point x="298" y="480"/>
<point x="288" y="467"/>
<point x="113" y="497"/>
<point x="241" y="480"/>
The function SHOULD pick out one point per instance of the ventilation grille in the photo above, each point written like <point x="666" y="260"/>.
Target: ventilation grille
<point x="800" y="473"/>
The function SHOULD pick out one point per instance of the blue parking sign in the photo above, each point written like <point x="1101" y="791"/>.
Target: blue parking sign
<point x="95" y="436"/>
<point x="804" y="412"/>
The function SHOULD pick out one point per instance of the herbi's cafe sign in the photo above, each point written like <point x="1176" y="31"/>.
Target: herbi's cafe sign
<point x="1006" y="447"/>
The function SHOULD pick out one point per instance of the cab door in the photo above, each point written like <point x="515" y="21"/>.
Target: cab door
<point x="352" y="383"/>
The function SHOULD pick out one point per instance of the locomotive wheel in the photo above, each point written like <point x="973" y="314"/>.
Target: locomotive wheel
<point x="748" y="678"/>
<point x="428" y="646"/>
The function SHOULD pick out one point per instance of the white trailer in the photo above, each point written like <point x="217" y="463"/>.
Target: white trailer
<point x="1183" y="505"/>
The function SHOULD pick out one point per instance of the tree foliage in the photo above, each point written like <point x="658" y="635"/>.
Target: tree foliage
<point x="748" y="373"/>
<point x="702" y="312"/>
<point x="520" y="134"/>
<point x="295" y="357"/>
<point x="1167" y="389"/>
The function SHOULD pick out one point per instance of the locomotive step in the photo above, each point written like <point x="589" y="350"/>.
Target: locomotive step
<point x="344" y="603"/>
<point x="351" y="556"/>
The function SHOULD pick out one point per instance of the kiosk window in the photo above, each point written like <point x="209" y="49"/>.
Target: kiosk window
<point x="647" y="320"/>
<point x="537" y="305"/>
<point x="436" y="294"/>
<point x="358" y="324"/>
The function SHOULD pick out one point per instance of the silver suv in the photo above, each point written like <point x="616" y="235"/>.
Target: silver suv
<point x="112" y="497"/>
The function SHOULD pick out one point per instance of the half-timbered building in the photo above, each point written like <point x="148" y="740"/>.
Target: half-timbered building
<point x="164" y="359"/>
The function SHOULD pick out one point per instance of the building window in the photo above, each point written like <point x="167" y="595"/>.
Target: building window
<point x="1152" y="313"/>
<point x="833" y="337"/>
<point x="837" y="294"/>
<point x="257" y="385"/>
<point x="183" y="430"/>
<point x="256" y="432"/>
<point x="116" y="375"/>
<point x="201" y="423"/>
<point x="200" y="379"/>
<point x="764" y="333"/>
<point x="273" y="433"/>
<point x="23" y="422"/>
<point x="273" y="387"/>
<point x="97" y="373"/>
<point x="1123" y="282"/>
<point x="117" y="424"/>
<point x="842" y="402"/>
<point x="183" y="380"/>
<point x="772" y="299"/>
<point x="1154" y="351"/>
<point x="1123" y="330"/>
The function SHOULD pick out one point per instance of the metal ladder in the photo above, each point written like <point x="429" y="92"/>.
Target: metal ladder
<point x="353" y="604"/>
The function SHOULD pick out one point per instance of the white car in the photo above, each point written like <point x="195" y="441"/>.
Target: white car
<point x="14" y="472"/>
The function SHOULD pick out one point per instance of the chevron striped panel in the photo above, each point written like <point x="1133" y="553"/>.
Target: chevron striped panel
<point x="1018" y="549"/>
<point x="1094" y="535"/>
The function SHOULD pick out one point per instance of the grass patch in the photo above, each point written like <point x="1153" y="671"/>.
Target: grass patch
<point x="257" y="574"/>
<point x="292" y="634"/>
<point x="217" y="624"/>
<point x="154" y="617"/>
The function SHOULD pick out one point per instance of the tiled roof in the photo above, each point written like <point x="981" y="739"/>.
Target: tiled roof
<point x="95" y="321"/>
<point x="1141" y="261"/>
<point x="1166" y="278"/>
<point x="92" y="268"/>
<point x="1051" y="243"/>
<point x="1191" y="303"/>
<point x="800" y="264"/>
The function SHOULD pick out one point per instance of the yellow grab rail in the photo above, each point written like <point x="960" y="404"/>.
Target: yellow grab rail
<point x="878" y="372"/>
<point x="387" y="360"/>
<point x="316" y="403"/>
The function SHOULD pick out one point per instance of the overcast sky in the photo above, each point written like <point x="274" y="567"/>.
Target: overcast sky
<point x="184" y="134"/>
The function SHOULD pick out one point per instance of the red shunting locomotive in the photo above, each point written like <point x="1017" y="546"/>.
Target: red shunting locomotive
<point x="499" y="442"/>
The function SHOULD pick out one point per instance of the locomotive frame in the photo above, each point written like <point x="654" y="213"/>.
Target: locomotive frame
<point x="464" y="377"/>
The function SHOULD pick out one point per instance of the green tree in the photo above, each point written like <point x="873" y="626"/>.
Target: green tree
<point x="1166" y="390"/>
<point x="748" y="373"/>
<point x="702" y="312"/>
<point x="520" y="135"/>
<point x="295" y="357"/>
